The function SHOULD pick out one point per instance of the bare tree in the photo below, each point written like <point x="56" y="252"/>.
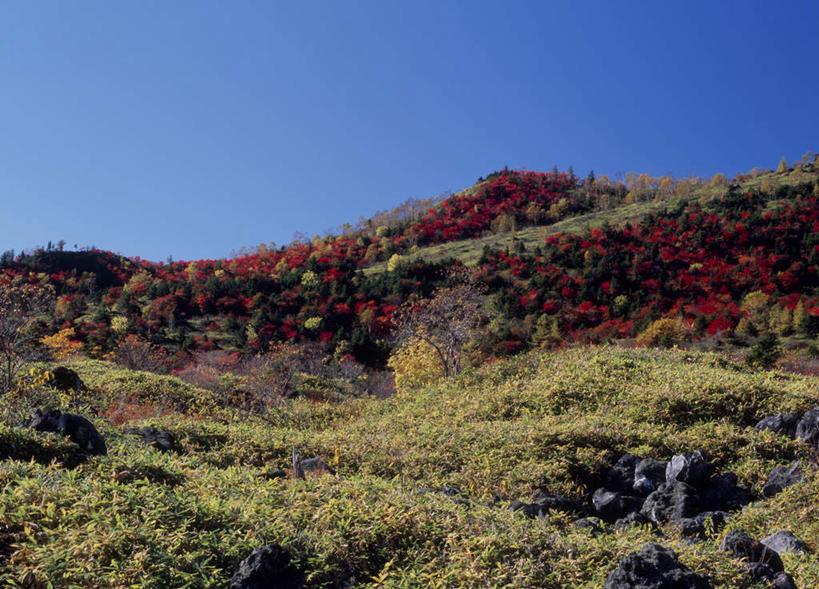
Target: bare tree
<point x="446" y="321"/>
<point x="20" y="306"/>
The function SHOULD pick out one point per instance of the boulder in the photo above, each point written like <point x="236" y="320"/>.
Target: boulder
<point x="159" y="439"/>
<point x="759" y="571"/>
<point x="649" y="474"/>
<point x="654" y="567"/>
<point x="545" y="502"/>
<point x="742" y="546"/>
<point x="784" y="541"/>
<point x="65" y="379"/>
<point x="782" y="423"/>
<point x="697" y="527"/>
<point x="620" y="477"/>
<point x="611" y="505"/>
<point x="592" y="524"/>
<point x="807" y="429"/>
<point x="781" y="477"/>
<point x="672" y="501"/>
<point x="315" y="465"/>
<point x="268" y="567"/>
<point x="79" y="430"/>
<point x="723" y="493"/>
<point x="689" y="467"/>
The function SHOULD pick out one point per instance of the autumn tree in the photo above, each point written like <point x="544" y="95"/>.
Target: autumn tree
<point x="20" y="306"/>
<point x="446" y="321"/>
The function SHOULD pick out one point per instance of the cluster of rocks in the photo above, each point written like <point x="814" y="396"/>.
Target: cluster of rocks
<point x="762" y="559"/>
<point x="78" y="429"/>
<point x="651" y="492"/>
<point x="803" y="427"/>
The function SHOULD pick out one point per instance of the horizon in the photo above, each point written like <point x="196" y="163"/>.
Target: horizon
<point x="194" y="129"/>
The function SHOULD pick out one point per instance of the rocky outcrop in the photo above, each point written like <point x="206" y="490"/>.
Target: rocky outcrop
<point x="268" y="567"/>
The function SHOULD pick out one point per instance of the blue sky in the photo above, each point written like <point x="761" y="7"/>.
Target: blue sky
<point x="188" y="129"/>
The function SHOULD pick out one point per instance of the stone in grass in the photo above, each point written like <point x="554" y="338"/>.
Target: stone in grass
<point x="723" y="493"/>
<point x="543" y="503"/>
<point x="697" y="527"/>
<point x="807" y="429"/>
<point x="783" y="424"/>
<point x="654" y="567"/>
<point x="612" y="506"/>
<point x="592" y="524"/>
<point x="689" y="467"/>
<point x="268" y="567"/>
<point x="64" y="379"/>
<point x="649" y="474"/>
<point x="157" y="438"/>
<point x="742" y="546"/>
<point x="620" y="477"/>
<point x="81" y="431"/>
<point x="784" y="541"/>
<point x="759" y="571"/>
<point x="781" y="477"/>
<point x="672" y="501"/>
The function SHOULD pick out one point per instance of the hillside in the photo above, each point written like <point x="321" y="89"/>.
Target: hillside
<point x="422" y="482"/>
<point x="588" y="260"/>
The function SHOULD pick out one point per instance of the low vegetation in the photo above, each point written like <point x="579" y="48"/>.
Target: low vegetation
<point x="422" y="479"/>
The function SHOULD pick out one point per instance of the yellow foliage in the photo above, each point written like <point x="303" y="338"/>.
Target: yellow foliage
<point x="312" y="324"/>
<point x="61" y="344"/>
<point x="119" y="324"/>
<point x="393" y="262"/>
<point x="415" y="365"/>
<point x="665" y="332"/>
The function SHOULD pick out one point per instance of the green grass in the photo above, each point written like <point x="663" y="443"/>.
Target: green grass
<point x="141" y="518"/>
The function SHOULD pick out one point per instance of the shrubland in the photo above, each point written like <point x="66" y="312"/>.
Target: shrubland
<point x="422" y="479"/>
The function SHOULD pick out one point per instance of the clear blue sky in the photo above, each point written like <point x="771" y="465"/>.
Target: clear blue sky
<point x="157" y="128"/>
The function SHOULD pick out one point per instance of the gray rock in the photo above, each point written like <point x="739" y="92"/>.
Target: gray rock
<point x="157" y="438"/>
<point x="672" y="501"/>
<point x="649" y="474"/>
<point x="689" y="467"/>
<point x="742" y="546"/>
<point x="807" y="429"/>
<point x="268" y="567"/>
<point x="79" y="430"/>
<point x="592" y="524"/>
<point x="723" y="493"/>
<point x="781" y="423"/>
<point x="611" y="505"/>
<point x="784" y="541"/>
<point x="697" y="527"/>
<point x="620" y="477"/>
<point x="781" y="477"/>
<point x="654" y="567"/>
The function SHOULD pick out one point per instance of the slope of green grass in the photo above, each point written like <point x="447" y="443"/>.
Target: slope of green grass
<point x="138" y="517"/>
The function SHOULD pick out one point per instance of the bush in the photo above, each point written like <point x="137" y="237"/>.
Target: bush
<point x="664" y="332"/>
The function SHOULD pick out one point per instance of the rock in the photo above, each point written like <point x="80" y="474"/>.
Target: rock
<point x="654" y="567"/>
<point x="611" y="505"/>
<point x="620" y="477"/>
<point x="783" y="580"/>
<point x="592" y="524"/>
<point x="689" y="467"/>
<point x="65" y="379"/>
<point x="697" y="527"/>
<point x="784" y="541"/>
<point x="315" y="465"/>
<point x="545" y="502"/>
<point x="161" y="440"/>
<point x="723" y="493"/>
<point x="781" y="477"/>
<point x="759" y="571"/>
<point x="527" y="509"/>
<point x="267" y="567"/>
<point x="741" y="545"/>
<point x="807" y="429"/>
<point x="81" y="431"/>
<point x="649" y="474"/>
<point x="270" y="475"/>
<point x="634" y="518"/>
<point x="782" y="423"/>
<point x="672" y="501"/>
